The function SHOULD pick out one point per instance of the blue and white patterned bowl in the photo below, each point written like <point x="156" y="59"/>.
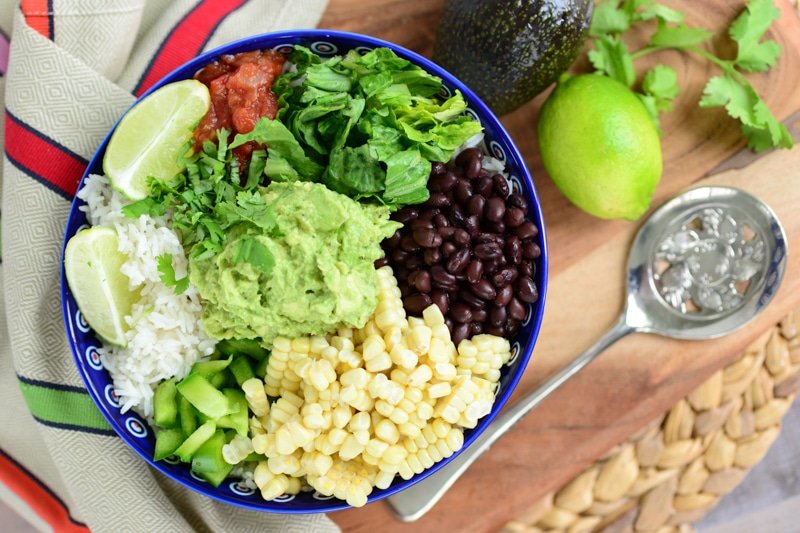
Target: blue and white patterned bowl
<point x="136" y="432"/>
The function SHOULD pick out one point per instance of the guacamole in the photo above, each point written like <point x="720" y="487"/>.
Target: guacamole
<point x="308" y="275"/>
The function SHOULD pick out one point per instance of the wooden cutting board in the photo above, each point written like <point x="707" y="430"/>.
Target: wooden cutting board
<point x="642" y="376"/>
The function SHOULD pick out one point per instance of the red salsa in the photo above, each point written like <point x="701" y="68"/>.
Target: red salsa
<point x="241" y="93"/>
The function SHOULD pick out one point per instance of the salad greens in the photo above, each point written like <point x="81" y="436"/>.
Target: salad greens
<point x="731" y="89"/>
<point x="372" y="123"/>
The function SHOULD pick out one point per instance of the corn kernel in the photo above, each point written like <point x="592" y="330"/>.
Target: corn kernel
<point x="398" y="416"/>
<point x="376" y="447"/>
<point x="316" y="463"/>
<point x="384" y="479"/>
<point x="403" y="357"/>
<point x="350" y="359"/>
<point x="357" y="377"/>
<point x="439" y="390"/>
<point x="351" y="448"/>
<point x="445" y="371"/>
<point x="372" y="347"/>
<point x="441" y="332"/>
<point x="455" y="439"/>
<point x="360" y="421"/>
<point x="387" y="431"/>
<point x="392" y="338"/>
<point x="379" y="363"/>
<point x="415" y="464"/>
<point x="405" y="471"/>
<point x="284" y="464"/>
<point x="409" y="430"/>
<point x="421" y="375"/>
<point x="443" y="448"/>
<point x="256" y="397"/>
<point x="337" y="436"/>
<point x="424" y="458"/>
<point x="321" y="374"/>
<point x="237" y="449"/>
<point x="341" y="415"/>
<point x="432" y="316"/>
<point x="419" y="340"/>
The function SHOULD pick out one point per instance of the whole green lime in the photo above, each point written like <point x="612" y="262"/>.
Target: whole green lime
<point x="600" y="146"/>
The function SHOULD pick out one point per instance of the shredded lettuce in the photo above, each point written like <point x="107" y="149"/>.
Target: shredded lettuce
<point x="366" y="126"/>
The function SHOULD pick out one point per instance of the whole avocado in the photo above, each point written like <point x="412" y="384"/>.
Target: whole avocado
<point x="508" y="51"/>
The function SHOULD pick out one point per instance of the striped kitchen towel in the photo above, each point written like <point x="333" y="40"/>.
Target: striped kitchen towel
<point x="68" y="70"/>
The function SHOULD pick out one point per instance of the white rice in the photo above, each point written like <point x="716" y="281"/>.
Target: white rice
<point x="166" y="336"/>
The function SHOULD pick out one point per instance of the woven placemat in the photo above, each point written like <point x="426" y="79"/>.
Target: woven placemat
<point x="675" y="470"/>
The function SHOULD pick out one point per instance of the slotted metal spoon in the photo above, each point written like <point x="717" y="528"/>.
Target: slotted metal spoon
<point x="702" y="265"/>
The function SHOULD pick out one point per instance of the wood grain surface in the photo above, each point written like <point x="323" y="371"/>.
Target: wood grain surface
<point x="641" y="376"/>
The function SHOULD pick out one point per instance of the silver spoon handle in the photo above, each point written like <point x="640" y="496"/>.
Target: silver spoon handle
<point x="412" y="503"/>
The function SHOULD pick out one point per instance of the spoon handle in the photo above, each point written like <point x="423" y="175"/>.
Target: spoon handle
<point x="412" y="503"/>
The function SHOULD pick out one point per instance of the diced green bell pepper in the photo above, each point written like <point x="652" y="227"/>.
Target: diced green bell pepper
<point x="167" y="441"/>
<point x="208" y="461"/>
<point x="188" y="416"/>
<point x="208" y="368"/>
<point x="241" y="369"/>
<point x="239" y="420"/>
<point x="251" y="347"/>
<point x="187" y="450"/>
<point x="205" y="397"/>
<point x="165" y="404"/>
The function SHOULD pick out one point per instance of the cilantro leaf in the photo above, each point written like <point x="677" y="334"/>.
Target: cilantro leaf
<point x="679" y="36"/>
<point x="168" y="274"/>
<point x="612" y="59"/>
<point x="608" y="18"/>
<point x="661" y="82"/>
<point x="748" y="29"/>
<point x="739" y="100"/>
<point x="661" y="12"/>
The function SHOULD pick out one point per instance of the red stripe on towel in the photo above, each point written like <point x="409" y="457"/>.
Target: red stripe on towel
<point x="187" y="39"/>
<point x="38" y="497"/>
<point x="42" y="158"/>
<point x="39" y="16"/>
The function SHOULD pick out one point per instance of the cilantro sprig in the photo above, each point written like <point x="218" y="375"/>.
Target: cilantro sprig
<point x="659" y="87"/>
<point x="168" y="274"/>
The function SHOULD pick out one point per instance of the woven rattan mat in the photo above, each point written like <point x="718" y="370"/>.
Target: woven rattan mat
<point x="674" y="471"/>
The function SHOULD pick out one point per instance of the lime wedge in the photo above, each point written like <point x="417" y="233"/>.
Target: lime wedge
<point x="92" y="265"/>
<point x="149" y="137"/>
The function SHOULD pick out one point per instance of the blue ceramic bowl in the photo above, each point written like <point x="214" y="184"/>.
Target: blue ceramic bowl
<point x="136" y="432"/>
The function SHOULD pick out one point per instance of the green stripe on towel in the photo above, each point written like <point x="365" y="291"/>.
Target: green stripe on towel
<point x="57" y="405"/>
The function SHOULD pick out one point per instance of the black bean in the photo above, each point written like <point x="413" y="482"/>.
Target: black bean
<point x="474" y="271"/>
<point x="446" y="181"/>
<point x="484" y="186"/>
<point x="513" y="250"/>
<point x="479" y="315"/>
<point x="469" y="153"/>
<point x="416" y="303"/>
<point x="422" y="281"/>
<point x="504" y="277"/>
<point x="428" y="212"/>
<point x="449" y="248"/>
<point x="437" y="167"/>
<point x="461" y="312"/>
<point x="460" y="332"/>
<point x="490" y="266"/>
<point x="457" y="215"/>
<point x="442" y="300"/>
<point x="440" y="221"/>
<point x="484" y="237"/>
<point x="442" y="278"/>
<point x="382" y="262"/>
<point x="498" y="331"/>
<point x="500" y="185"/>
<point x="531" y="250"/>
<point x="432" y="256"/>
<point x="472" y="169"/>
<point x="512" y="326"/>
<point x="476" y="328"/>
<point x="488" y="250"/>
<point x="408" y="244"/>
<point x="526" y="268"/>
<point x="462" y="191"/>
<point x="476" y="204"/>
<point x="420" y="223"/>
<point x="495" y="227"/>
<point x="504" y="295"/>
<point x="458" y="261"/>
<point x="526" y="230"/>
<point x="400" y="256"/>
<point x="394" y="241"/>
<point x="427" y="237"/>
<point x="461" y="237"/>
<point x="438" y="199"/>
<point x="472" y="225"/>
<point x="405" y="215"/>
<point x="497" y="315"/>
<point x="415" y="262"/>
<point x="484" y="289"/>
<point x="495" y="209"/>
<point x="516" y="309"/>
<point x="527" y="290"/>
<point x="517" y="200"/>
<point x="471" y="299"/>
<point x="514" y="217"/>
<point x="447" y="232"/>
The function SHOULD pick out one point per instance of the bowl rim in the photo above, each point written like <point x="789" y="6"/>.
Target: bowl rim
<point x="260" y="41"/>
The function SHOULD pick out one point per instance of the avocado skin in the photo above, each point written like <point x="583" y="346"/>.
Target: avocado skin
<point x="508" y="51"/>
